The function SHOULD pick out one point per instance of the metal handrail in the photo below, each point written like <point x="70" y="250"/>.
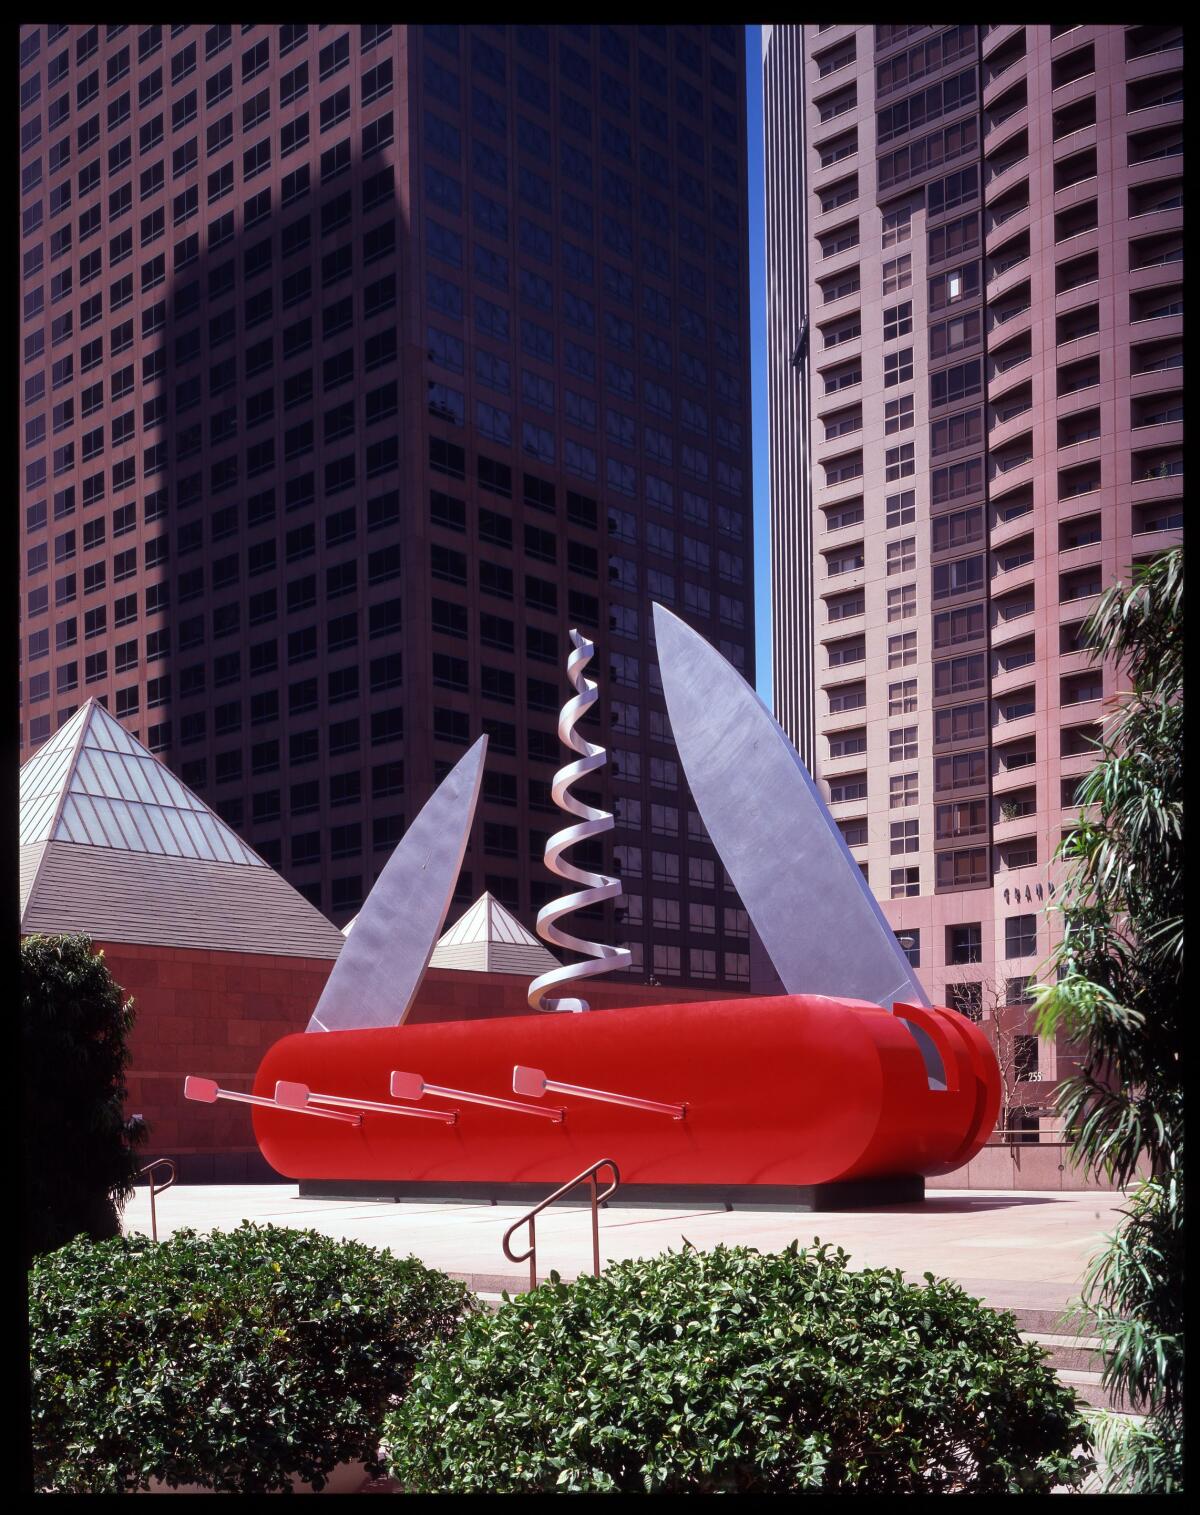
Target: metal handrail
<point x="148" y="1173"/>
<point x="596" y="1200"/>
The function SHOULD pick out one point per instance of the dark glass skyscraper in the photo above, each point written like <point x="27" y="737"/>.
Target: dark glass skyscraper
<point x="360" y="364"/>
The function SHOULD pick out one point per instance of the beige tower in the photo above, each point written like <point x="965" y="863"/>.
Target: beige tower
<point x="974" y="258"/>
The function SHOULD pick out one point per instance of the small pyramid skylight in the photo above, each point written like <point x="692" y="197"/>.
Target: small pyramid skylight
<point x="489" y="939"/>
<point x="95" y="785"/>
<point x="488" y="921"/>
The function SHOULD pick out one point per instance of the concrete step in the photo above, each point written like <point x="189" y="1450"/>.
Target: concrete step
<point x="1075" y="1357"/>
<point x="1090" y="1391"/>
<point x="1061" y="1322"/>
<point x="1071" y="1352"/>
<point x="1078" y="1362"/>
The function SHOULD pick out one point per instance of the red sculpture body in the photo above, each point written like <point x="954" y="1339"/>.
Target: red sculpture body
<point x="795" y="1090"/>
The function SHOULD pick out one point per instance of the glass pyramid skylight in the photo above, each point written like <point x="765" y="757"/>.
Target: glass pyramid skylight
<point x="488" y="921"/>
<point x="95" y="785"/>
<point x="488" y="939"/>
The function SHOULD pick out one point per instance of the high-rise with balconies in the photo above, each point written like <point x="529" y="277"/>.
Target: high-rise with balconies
<point x="975" y="288"/>
<point x="360" y="364"/>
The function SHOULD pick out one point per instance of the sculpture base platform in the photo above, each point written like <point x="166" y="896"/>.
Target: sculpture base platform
<point x="858" y="1194"/>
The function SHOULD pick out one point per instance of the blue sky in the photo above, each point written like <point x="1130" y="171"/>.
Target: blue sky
<point x="758" y="365"/>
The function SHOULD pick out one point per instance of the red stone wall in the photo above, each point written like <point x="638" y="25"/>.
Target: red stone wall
<point x="212" y="1013"/>
<point x="1024" y="1165"/>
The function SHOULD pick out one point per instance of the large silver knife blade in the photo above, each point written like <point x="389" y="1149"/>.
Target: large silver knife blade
<point x="379" y="970"/>
<point x="816" y="915"/>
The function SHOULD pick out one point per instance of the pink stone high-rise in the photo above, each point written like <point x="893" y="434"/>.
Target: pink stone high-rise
<point x="360" y="364"/>
<point x="974" y="253"/>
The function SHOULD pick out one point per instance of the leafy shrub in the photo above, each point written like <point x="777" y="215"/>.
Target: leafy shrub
<point x="79" y="1158"/>
<point x="231" y="1360"/>
<point x="734" y="1370"/>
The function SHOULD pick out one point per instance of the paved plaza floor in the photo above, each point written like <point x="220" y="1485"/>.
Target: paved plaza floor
<point x="1017" y="1250"/>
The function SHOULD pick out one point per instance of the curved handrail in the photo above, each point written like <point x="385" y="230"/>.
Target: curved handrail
<point x="588" y="1175"/>
<point x="155" y="1190"/>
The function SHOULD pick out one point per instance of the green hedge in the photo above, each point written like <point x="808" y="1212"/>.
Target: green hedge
<point x="79" y="1162"/>
<point x="733" y="1370"/>
<point x="231" y="1360"/>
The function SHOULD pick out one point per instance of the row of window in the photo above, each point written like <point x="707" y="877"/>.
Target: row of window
<point x="492" y="164"/>
<point x="579" y="313"/>
<point x="257" y="259"/>
<point x="486" y="59"/>
<point x="494" y="372"/>
<point x="532" y="40"/>
<point x="256" y="160"/>
<point x="259" y="357"/>
<point x="490" y="61"/>
<point x="376" y="82"/>
<point x="444" y="245"/>
<point x="490" y="167"/>
<point x="377" y="243"/>
<point x="297" y="389"/>
<point x="964" y="944"/>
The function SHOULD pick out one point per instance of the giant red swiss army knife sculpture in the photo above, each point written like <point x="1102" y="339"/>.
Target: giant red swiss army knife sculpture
<point x="851" y="1075"/>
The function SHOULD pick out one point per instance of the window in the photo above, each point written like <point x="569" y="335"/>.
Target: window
<point x="957" y="383"/>
<point x="256" y="159"/>
<point x="377" y="82"/>
<point x="841" y="193"/>
<point x="902" y="697"/>
<point x="899" y="462"/>
<point x="1020" y="936"/>
<point x="960" y="819"/>
<point x="896" y="226"/>
<point x="902" y="744"/>
<point x="902" y="555"/>
<point x="963" y="576"/>
<point x="905" y="837"/>
<point x="845" y="376"/>
<point x="897" y="274"/>
<point x="844" y="561"/>
<point x="965" y="944"/>
<point x="897" y="322"/>
<point x="905" y="882"/>
<point x="898" y="415"/>
<point x="966" y="999"/>
<point x="840" y="239"/>
<point x="841" y="423"/>
<point x="902" y="602"/>
<point x="335" y="108"/>
<point x="840" y="606"/>
<point x="902" y="650"/>
<point x="902" y="787"/>
<point x="333" y="58"/>
<point x="959" y="675"/>
<point x="897" y="366"/>
<point x="960" y="723"/>
<point x="1025" y="1048"/>
<point x="848" y="650"/>
<point x="901" y="509"/>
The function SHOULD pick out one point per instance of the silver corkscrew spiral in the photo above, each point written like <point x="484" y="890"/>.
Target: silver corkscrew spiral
<point x="593" y="822"/>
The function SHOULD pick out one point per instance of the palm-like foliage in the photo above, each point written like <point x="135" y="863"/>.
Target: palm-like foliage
<point x="1119" y="994"/>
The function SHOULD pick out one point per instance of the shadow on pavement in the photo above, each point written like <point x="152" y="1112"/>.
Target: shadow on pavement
<point x="953" y="1205"/>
